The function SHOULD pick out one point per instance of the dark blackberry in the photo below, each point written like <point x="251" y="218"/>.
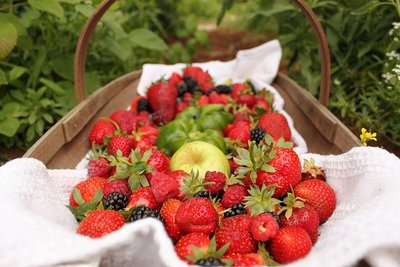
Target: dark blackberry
<point x="223" y="89"/>
<point x="202" y="193"/>
<point x="143" y="105"/>
<point x="257" y="134"/>
<point x="210" y="261"/>
<point x="182" y="89"/>
<point x="190" y="83"/>
<point x="198" y="91"/>
<point x="236" y="209"/>
<point x="117" y="200"/>
<point x="141" y="212"/>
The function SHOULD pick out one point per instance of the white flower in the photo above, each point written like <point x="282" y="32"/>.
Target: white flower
<point x="396" y="39"/>
<point x="396" y="25"/>
<point x="337" y="82"/>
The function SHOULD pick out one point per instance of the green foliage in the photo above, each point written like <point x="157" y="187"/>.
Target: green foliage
<point x="358" y="36"/>
<point x="37" y="44"/>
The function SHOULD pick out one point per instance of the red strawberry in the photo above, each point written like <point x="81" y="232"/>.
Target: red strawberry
<point x="99" y="167"/>
<point x="228" y="128"/>
<point x="263" y="227"/>
<point x="88" y="189"/>
<point x="249" y="259"/>
<point x="197" y="215"/>
<point x="203" y="78"/>
<point x="181" y="107"/>
<point x="287" y="172"/>
<point x="179" y="176"/>
<point x="158" y="160"/>
<point x="261" y="103"/>
<point x="290" y="244"/>
<point x="276" y="125"/>
<point x="312" y="171"/>
<point x="240" y="132"/>
<point x="236" y="230"/>
<point x="219" y="180"/>
<point x="101" y="129"/>
<point x="242" y="115"/>
<point x="184" y="246"/>
<point x="319" y="195"/>
<point x="306" y="218"/>
<point x="163" y="186"/>
<point x="233" y="165"/>
<point x="239" y="88"/>
<point x="168" y="212"/>
<point x="203" y="100"/>
<point x="246" y="99"/>
<point x="233" y="194"/>
<point x="143" y="196"/>
<point x="162" y="99"/>
<point x="100" y="223"/>
<point x="215" y="98"/>
<point x="119" y="185"/>
<point x="124" y="119"/>
<point x="122" y="143"/>
<point x="175" y="79"/>
<point x="134" y="103"/>
<point x="143" y="119"/>
<point x="187" y="98"/>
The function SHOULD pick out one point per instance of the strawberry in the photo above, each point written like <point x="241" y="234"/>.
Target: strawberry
<point x="99" y="223"/>
<point x="145" y="136"/>
<point x="88" y="189"/>
<point x="179" y="176"/>
<point x="168" y="213"/>
<point x="197" y="215"/>
<point x="119" y="143"/>
<point x="119" y="185"/>
<point x="233" y="165"/>
<point x="233" y="194"/>
<point x="143" y="119"/>
<point x="99" y="167"/>
<point x="101" y="129"/>
<point x="249" y="259"/>
<point x="124" y="119"/>
<point x="187" y="98"/>
<point x="236" y="231"/>
<point x="228" y="128"/>
<point x="319" y="195"/>
<point x="158" y="160"/>
<point x="202" y="78"/>
<point x="263" y="227"/>
<point x="239" y="88"/>
<point x="175" y="79"/>
<point x="184" y="246"/>
<point x="305" y="217"/>
<point x="311" y="171"/>
<point x="216" y="177"/>
<point x="134" y="103"/>
<point x="215" y="98"/>
<point x="162" y="99"/>
<point x="143" y="196"/>
<point x="163" y="186"/>
<point x="287" y="171"/>
<point x="143" y="143"/>
<point x="262" y="104"/>
<point x="276" y="125"/>
<point x="290" y="244"/>
<point x="241" y="115"/>
<point x="240" y="132"/>
<point x="247" y="99"/>
<point x="181" y="106"/>
<point x="203" y="100"/>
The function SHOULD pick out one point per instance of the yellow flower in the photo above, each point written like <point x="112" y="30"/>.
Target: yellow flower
<point x="367" y="136"/>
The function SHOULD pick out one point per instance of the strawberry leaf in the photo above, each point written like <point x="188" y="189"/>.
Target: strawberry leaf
<point x="76" y="194"/>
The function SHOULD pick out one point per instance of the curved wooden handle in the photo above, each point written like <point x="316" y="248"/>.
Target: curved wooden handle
<point x="87" y="32"/>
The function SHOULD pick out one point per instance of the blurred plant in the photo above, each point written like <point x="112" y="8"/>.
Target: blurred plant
<point x="37" y="45"/>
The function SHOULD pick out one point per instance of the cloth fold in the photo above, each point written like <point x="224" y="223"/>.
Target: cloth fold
<point x="38" y="230"/>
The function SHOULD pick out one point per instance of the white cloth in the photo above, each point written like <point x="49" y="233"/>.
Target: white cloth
<point x="36" y="229"/>
<point x="259" y="64"/>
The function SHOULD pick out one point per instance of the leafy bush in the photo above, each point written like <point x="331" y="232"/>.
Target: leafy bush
<point x="361" y="51"/>
<point x="37" y="45"/>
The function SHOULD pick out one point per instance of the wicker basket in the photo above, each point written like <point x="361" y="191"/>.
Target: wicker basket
<point x="65" y="144"/>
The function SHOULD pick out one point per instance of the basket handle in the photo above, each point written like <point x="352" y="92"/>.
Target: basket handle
<point x="88" y="29"/>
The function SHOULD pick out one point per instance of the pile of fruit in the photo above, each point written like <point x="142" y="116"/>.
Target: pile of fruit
<point x="214" y="164"/>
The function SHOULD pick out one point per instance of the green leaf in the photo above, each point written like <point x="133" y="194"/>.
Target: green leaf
<point x="368" y="7"/>
<point x="72" y="2"/>
<point x="147" y="39"/>
<point x="47" y="117"/>
<point x="202" y="37"/>
<point x="52" y="85"/>
<point x="277" y="8"/>
<point x="9" y="126"/>
<point x="63" y="66"/>
<point x="16" y="72"/>
<point x="85" y="10"/>
<point x="14" y="20"/>
<point x="8" y="39"/>
<point x="39" y="127"/>
<point x="30" y="133"/>
<point x="3" y="78"/>
<point x="50" y="6"/>
<point x="226" y="5"/>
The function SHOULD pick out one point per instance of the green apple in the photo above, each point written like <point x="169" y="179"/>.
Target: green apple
<point x="201" y="156"/>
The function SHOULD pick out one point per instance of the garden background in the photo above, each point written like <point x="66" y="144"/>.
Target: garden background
<point x="38" y="39"/>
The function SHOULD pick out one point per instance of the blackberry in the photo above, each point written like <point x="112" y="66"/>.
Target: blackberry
<point x="182" y="89"/>
<point x="202" y="193"/>
<point x="141" y="212"/>
<point x="198" y="91"/>
<point x="236" y="209"/>
<point x="210" y="261"/>
<point x="276" y="217"/>
<point x="223" y="89"/>
<point x="257" y="134"/>
<point x="143" y="105"/>
<point x="117" y="200"/>
<point x="191" y="83"/>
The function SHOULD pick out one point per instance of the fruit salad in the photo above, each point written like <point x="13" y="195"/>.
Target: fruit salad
<point x="214" y="164"/>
